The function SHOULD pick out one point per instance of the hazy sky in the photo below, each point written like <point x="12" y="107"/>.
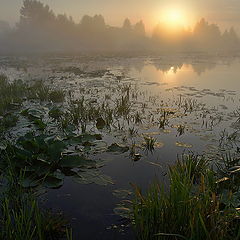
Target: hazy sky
<point x="224" y="12"/>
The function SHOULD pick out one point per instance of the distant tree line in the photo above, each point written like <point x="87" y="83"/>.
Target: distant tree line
<point x="40" y="29"/>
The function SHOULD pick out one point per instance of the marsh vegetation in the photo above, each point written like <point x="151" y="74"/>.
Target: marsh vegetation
<point x="68" y="127"/>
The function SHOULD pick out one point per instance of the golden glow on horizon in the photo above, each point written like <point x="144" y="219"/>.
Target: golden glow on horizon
<point x="174" y="17"/>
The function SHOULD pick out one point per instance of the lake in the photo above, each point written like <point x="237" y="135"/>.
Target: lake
<point x="183" y="103"/>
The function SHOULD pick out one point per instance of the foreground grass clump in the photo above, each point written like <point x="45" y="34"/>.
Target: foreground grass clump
<point x="192" y="207"/>
<point x="21" y="216"/>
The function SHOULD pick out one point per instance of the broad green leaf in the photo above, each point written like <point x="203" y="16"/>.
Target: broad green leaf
<point x="35" y="114"/>
<point x="122" y="193"/>
<point x="29" y="181"/>
<point x="93" y="176"/>
<point x="40" y="124"/>
<point x="55" y="149"/>
<point x="100" y="123"/>
<point x="117" y="148"/>
<point x="73" y="161"/>
<point x="53" y="182"/>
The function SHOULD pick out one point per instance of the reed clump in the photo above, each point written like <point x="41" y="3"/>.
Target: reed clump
<point x="192" y="208"/>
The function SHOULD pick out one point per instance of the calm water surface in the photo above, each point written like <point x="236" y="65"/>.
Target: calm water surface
<point x="213" y="81"/>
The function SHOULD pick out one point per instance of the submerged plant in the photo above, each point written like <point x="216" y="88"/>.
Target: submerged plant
<point x="132" y="131"/>
<point x="149" y="143"/>
<point x="108" y="115"/>
<point x="123" y="106"/>
<point x="189" y="105"/>
<point x="181" y="129"/>
<point x="137" y="118"/>
<point x="163" y="121"/>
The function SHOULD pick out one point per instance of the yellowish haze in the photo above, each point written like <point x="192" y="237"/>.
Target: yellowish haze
<point x="173" y="12"/>
<point x="176" y="17"/>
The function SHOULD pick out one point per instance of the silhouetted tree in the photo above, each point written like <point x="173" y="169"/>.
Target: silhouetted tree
<point x="207" y="35"/>
<point x="127" y="24"/>
<point x="86" y="22"/>
<point x="64" y="20"/>
<point x="230" y="39"/>
<point x="34" y="13"/>
<point x="99" y="22"/>
<point x="139" y="28"/>
<point x="233" y="36"/>
<point x="65" y="30"/>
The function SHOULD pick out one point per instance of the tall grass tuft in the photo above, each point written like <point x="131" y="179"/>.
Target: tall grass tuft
<point x="190" y="209"/>
<point x="21" y="216"/>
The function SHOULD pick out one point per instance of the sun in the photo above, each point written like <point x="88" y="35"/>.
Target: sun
<point x="174" y="17"/>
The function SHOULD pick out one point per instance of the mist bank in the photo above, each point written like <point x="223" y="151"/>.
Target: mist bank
<point x="40" y="30"/>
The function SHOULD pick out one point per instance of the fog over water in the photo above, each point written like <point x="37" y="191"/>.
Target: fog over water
<point x="39" y="30"/>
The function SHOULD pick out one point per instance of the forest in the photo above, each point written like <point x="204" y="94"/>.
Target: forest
<point x="39" y="29"/>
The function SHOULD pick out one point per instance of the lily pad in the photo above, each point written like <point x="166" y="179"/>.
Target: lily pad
<point x="123" y="212"/>
<point x="184" y="145"/>
<point x="73" y="161"/>
<point x="117" y="148"/>
<point x="29" y="181"/>
<point x="55" y="113"/>
<point x="85" y="138"/>
<point x="41" y="168"/>
<point x="122" y="193"/>
<point x="55" y="149"/>
<point x="100" y="123"/>
<point x="34" y="114"/>
<point x="40" y="124"/>
<point x="93" y="176"/>
<point x="53" y="182"/>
